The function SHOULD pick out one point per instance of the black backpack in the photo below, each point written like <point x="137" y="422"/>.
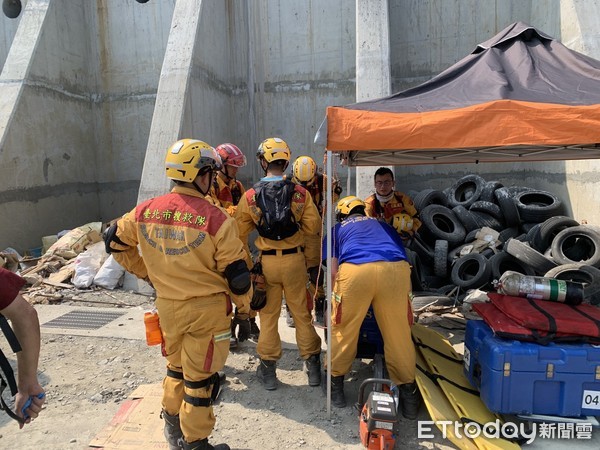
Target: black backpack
<point x="274" y="198"/>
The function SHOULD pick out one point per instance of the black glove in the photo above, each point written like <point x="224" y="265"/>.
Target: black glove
<point x="259" y="297"/>
<point x="316" y="274"/>
<point x="244" y="328"/>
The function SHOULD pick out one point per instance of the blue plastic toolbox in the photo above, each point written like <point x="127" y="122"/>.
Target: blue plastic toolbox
<point x="370" y="340"/>
<point x="515" y="377"/>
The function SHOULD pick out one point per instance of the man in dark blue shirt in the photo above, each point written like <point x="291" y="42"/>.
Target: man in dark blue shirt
<point x="369" y="266"/>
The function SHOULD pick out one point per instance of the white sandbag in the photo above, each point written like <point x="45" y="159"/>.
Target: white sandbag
<point x="110" y="274"/>
<point x="134" y="284"/>
<point x="87" y="265"/>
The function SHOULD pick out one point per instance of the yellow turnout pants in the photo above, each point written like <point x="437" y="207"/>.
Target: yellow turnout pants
<point x="196" y="337"/>
<point x="386" y="286"/>
<point x="286" y="274"/>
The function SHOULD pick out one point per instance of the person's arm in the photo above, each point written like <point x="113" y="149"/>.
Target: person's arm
<point x="245" y="225"/>
<point x="231" y="261"/>
<point x="25" y="324"/>
<point x="127" y="254"/>
<point x="410" y="209"/>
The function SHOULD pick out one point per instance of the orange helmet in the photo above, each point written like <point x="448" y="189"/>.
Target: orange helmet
<point x="231" y="155"/>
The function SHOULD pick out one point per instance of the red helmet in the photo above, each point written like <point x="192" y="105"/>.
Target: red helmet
<point x="231" y="155"/>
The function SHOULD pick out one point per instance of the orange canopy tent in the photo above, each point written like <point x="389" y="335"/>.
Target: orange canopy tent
<point x="520" y="96"/>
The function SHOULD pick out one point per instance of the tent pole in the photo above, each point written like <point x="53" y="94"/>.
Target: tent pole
<point x="329" y="225"/>
<point x="349" y="180"/>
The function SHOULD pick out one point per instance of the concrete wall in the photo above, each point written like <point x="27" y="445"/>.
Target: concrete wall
<point x="303" y="61"/>
<point x="83" y="116"/>
<point x="77" y="97"/>
<point x="127" y="42"/>
<point x="8" y="28"/>
<point x="259" y="69"/>
<point x="47" y="145"/>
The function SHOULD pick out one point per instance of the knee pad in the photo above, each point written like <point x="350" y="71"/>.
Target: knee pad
<point x="213" y="380"/>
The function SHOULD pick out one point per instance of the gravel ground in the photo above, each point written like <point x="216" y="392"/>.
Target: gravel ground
<point x="88" y="378"/>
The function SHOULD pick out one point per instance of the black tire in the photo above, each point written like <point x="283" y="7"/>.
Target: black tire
<point x="487" y="193"/>
<point x="538" y="206"/>
<point x="531" y="233"/>
<point x="508" y="233"/>
<point x="430" y="197"/>
<point x="577" y="244"/>
<point x="523" y="252"/>
<point x="502" y="261"/>
<point x="454" y="254"/>
<point x="466" y="191"/>
<point x="509" y="209"/>
<point x="440" y="258"/>
<point x="416" y="271"/>
<point x="548" y="230"/>
<point x="434" y="282"/>
<point x="485" y="220"/>
<point x="581" y="273"/>
<point x="465" y="217"/>
<point x="471" y="271"/>
<point x="421" y="248"/>
<point x="440" y="223"/>
<point x="489" y="208"/>
<point x="471" y="235"/>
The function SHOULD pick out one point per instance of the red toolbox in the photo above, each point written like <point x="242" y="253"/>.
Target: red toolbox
<point x="515" y="377"/>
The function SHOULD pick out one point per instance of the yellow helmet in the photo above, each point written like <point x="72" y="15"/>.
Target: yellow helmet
<point x="187" y="158"/>
<point x="274" y="149"/>
<point x="346" y="205"/>
<point x="402" y="222"/>
<point x="304" y="169"/>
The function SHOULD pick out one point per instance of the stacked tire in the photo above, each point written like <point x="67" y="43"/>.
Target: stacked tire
<point x="534" y="237"/>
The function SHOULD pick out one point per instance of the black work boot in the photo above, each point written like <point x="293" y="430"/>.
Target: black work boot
<point x="266" y="374"/>
<point x="410" y="400"/>
<point x="312" y="365"/>
<point x="173" y="433"/>
<point x="320" y="309"/>
<point x="203" y="444"/>
<point x="233" y="342"/>
<point x="338" y="399"/>
<point x="254" y="331"/>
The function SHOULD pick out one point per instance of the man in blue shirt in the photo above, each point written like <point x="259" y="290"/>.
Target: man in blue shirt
<point x="369" y="266"/>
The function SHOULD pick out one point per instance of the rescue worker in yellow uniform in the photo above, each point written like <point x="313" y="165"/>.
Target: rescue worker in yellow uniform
<point x="226" y="188"/>
<point x="305" y="173"/>
<point x="386" y="203"/>
<point x="192" y="254"/>
<point x="227" y="192"/>
<point x="370" y="267"/>
<point x="284" y="214"/>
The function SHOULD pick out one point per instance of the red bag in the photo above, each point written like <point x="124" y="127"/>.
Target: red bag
<point x="551" y="317"/>
<point x="505" y="327"/>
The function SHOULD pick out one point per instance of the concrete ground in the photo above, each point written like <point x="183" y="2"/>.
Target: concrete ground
<point x="121" y="328"/>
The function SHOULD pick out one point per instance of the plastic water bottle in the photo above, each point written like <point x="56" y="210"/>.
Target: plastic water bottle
<point x="153" y="332"/>
<point x="540" y="288"/>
